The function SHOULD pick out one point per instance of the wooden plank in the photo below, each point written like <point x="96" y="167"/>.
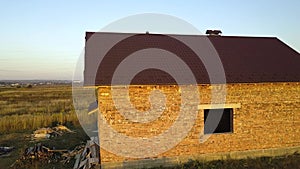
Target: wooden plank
<point x="87" y="165"/>
<point x="93" y="150"/>
<point x="46" y="148"/>
<point x="29" y="150"/>
<point x="93" y="160"/>
<point x="84" y="152"/>
<point x="93" y="111"/>
<point x="88" y="155"/>
<point x="58" y="150"/>
<point x="82" y="163"/>
<point x="77" y="157"/>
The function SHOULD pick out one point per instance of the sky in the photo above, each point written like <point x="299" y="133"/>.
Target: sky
<point x="44" y="39"/>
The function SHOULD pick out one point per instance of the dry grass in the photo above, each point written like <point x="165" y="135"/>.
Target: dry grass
<point x="31" y="108"/>
<point x="23" y="110"/>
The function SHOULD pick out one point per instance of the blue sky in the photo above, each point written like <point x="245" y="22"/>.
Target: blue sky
<point x="43" y="39"/>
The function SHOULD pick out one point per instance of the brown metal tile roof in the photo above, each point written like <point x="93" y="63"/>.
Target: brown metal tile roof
<point x="245" y="59"/>
<point x="257" y="59"/>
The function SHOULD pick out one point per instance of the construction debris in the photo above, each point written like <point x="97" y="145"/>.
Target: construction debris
<point x="66" y="157"/>
<point x="86" y="156"/>
<point x="42" y="133"/>
<point x="89" y="156"/>
<point x="5" y="151"/>
<point x="45" y="133"/>
<point x="43" y="154"/>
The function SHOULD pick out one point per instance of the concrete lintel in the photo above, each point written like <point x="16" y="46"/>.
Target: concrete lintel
<point x="219" y="106"/>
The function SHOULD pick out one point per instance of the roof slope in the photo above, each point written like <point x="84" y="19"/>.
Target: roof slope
<point x="245" y="60"/>
<point x="257" y="59"/>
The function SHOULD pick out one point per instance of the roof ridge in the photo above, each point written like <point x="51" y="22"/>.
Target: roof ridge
<point x="195" y="35"/>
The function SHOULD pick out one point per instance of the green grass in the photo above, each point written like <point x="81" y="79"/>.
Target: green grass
<point x="280" y="162"/>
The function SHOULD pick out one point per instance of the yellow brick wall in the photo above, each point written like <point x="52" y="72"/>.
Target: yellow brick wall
<point x="269" y="117"/>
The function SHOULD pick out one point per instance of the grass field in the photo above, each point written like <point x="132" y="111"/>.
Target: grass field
<point x="31" y="108"/>
<point x="291" y="161"/>
<point x="22" y="110"/>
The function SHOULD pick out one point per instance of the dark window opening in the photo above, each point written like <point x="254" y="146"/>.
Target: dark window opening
<point x="225" y="124"/>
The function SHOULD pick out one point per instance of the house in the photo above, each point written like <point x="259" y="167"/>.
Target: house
<point x="259" y="116"/>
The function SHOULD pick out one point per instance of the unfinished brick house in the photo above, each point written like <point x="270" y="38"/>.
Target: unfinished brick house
<point x="261" y="114"/>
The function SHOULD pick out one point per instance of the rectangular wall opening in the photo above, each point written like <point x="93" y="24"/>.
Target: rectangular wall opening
<point x="218" y="121"/>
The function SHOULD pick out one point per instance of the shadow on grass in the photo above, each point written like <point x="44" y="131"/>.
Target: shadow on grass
<point x="280" y="162"/>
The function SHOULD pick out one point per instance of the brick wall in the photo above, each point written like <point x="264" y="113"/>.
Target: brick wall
<point x="268" y="117"/>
